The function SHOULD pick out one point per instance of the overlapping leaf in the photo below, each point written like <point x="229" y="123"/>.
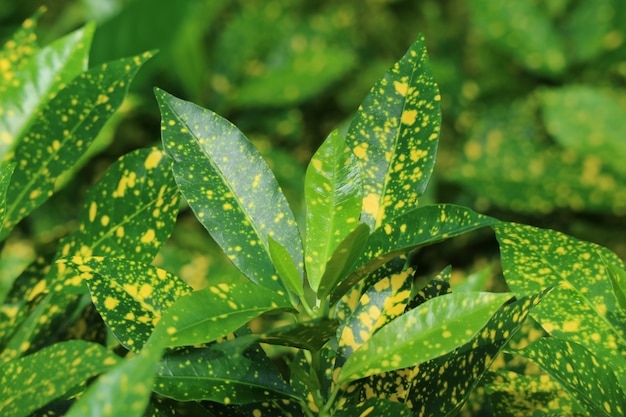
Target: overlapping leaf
<point x="63" y="130"/>
<point x="230" y="188"/>
<point x="33" y="381"/>
<point x="376" y="406"/>
<point x="17" y="51"/>
<point x="37" y="81"/>
<point x="6" y="171"/>
<point x="433" y="329"/>
<point x="585" y="376"/>
<point x="333" y="195"/>
<point x="216" y="373"/>
<point x="582" y="308"/>
<point x="129" y="295"/>
<point x="417" y="227"/>
<point x="130" y="213"/>
<point x="394" y="136"/>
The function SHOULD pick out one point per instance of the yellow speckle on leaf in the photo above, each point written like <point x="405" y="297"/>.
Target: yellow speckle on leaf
<point x="227" y="206"/>
<point x="370" y="204"/>
<point x="152" y="161"/>
<point x="93" y="209"/>
<point x="361" y="150"/>
<point x="110" y="303"/>
<point x="401" y="88"/>
<point x="409" y="117"/>
<point x="148" y="236"/>
<point x="34" y="194"/>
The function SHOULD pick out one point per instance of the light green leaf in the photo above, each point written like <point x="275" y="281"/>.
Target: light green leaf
<point x="130" y="296"/>
<point x="285" y="267"/>
<point x="123" y="391"/>
<point x="220" y="374"/>
<point x="618" y="282"/>
<point x="63" y="131"/>
<point x="343" y="259"/>
<point x="37" y="82"/>
<point x="206" y="315"/>
<point x="582" y="308"/>
<point x="418" y="227"/>
<point x="231" y="190"/>
<point x="588" y="122"/>
<point x="586" y="376"/>
<point x="30" y="382"/>
<point x="394" y="136"/>
<point x="333" y="195"/>
<point x="17" y="51"/>
<point x="431" y="330"/>
<point x="6" y="171"/>
<point x="129" y="213"/>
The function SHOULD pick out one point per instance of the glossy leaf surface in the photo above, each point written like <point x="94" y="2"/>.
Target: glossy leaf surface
<point x="394" y="136"/>
<point x="230" y="188"/>
<point x="333" y="195"/>
<point x="129" y="213"/>
<point x="63" y="131"/>
<point x="618" y="282"/>
<point x="584" y="375"/>
<point x="285" y="268"/>
<point x="129" y="295"/>
<point x="216" y="311"/>
<point x="418" y="227"/>
<point x="582" y="308"/>
<point x="424" y="333"/>
<point x="32" y="381"/>
<point x="6" y="171"/>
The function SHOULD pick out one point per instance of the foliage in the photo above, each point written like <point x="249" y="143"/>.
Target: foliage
<point x="325" y="313"/>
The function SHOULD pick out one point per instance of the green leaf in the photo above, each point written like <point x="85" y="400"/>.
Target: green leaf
<point x="129" y="213"/>
<point x="311" y="335"/>
<point x="38" y="81"/>
<point x="589" y="30"/>
<point x="285" y="267"/>
<point x="582" y="308"/>
<point x="394" y="136"/>
<point x="231" y="190"/>
<point x="216" y="373"/>
<point x="589" y="122"/>
<point x="523" y="31"/>
<point x="419" y="227"/>
<point x="31" y="382"/>
<point x="17" y="51"/>
<point x="54" y="143"/>
<point x="376" y="407"/>
<point x="6" y="171"/>
<point x="343" y="259"/>
<point x="433" y="329"/>
<point x="129" y="295"/>
<point x="333" y="195"/>
<point x="206" y="315"/>
<point x="618" y="282"/>
<point x="123" y="391"/>
<point x="586" y="376"/>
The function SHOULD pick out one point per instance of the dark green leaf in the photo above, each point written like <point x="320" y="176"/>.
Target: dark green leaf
<point x="375" y="407"/>
<point x="129" y="295"/>
<point x="618" y="282"/>
<point x="394" y="136"/>
<point x="62" y="132"/>
<point x="32" y="381"/>
<point x="6" y="171"/>
<point x="333" y="195"/>
<point x="418" y="227"/>
<point x="311" y="335"/>
<point x="587" y="377"/>
<point x="230" y="188"/>
<point x="424" y="333"/>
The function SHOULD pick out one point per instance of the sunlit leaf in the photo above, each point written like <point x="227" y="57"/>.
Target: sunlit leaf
<point x="285" y="267"/>
<point x="424" y="333"/>
<point x="129" y="295"/>
<point x="62" y="132"/>
<point x="333" y="194"/>
<point x="584" y="375"/>
<point x="394" y="136"/>
<point x="230" y="188"/>
<point x="34" y="380"/>
<point x="17" y="50"/>
<point x="618" y="282"/>
<point x="6" y="171"/>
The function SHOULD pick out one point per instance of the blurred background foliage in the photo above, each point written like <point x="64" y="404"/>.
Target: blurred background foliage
<point x="533" y="99"/>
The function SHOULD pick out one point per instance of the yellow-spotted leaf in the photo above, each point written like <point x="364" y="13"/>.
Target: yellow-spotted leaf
<point x="216" y="311"/>
<point x="17" y="50"/>
<point x="217" y="373"/>
<point x="311" y="335"/>
<point x="582" y="308"/>
<point x="375" y="407"/>
<point x="62" y="131"/>
<point x="130" y="296"/>
<point x="584" y="375"/>
<point x="417" y="227"/>
<point x="285" y="268"/>
<point x="342" y="260"/>
<point x="31" y="382"/>
<point x="123" y="391"/>
<point x="394" y="137"/>
<point x="129" y="213"/>
<point x="230" y="188"/>
<point x="6" y="172"/>
<point x="333" y="195"/>
<point x="431" y="330"/>
<point x="618" y="281"/>
<point x="36" y="81"/>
